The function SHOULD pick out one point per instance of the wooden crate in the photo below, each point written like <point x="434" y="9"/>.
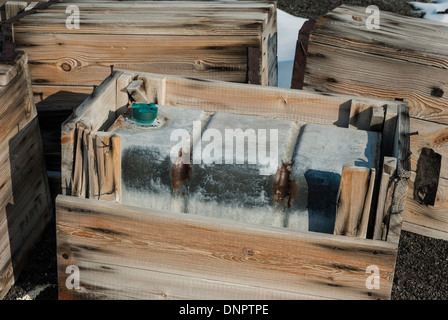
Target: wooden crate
<point x="139" y="253"/>
<point x="405" y="59"/>
<point x="211" y="40"/>
<point x="230" y="41"/>
<point x="25" y="202"/>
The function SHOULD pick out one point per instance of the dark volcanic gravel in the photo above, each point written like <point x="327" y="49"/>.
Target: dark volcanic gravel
<point x="422" y="265"/>
<point x="316" y="8"/>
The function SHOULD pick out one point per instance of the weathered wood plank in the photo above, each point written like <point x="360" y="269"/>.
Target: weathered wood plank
<point x="387" y="186"/>
<point x="129" y="282"/>
<point x="430" y="135"/>
<point x="96" y="111"/>
<point x="12" y="8"/>
<point x="25" y="202"/>
<point x="94" y="187"/>
<point x="295" y="105"/>
<point x="402" y="153"/>
<point x="367" y="211"/>
<point x="298" y="73"/>
<point x="345" y="27"/>
<point x="268" y="258"/>
<point x="84" y="60"/>
<point x="206" y="40"/>
<point x="432" y="217"/>
<point x="116" y="159"/>
<point x="78" y="170"/>
<point x="419" y="218"/>
<point x="143" y="21"/>
<point x="105" y="166"/>
<point x="355" y="182"/>
<point x="17" y="107"/>
<point x="324" y="74"/>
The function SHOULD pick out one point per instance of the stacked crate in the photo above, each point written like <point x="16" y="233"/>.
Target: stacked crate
<point x="230" y="41"/>
<point x="25" y="202"/>
<point x="154" y="248"/>
<point x="403" y="58"/>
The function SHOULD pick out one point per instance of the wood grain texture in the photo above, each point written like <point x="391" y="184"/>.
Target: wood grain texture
<point x="387" y="186"/>
<point x="370" y="75"/>
<point x="25" y="201"/>
<point x="403" y="172"/>
<point x="430" y="135"/>
<point x="12" y="8"/>
<point x="399" y="60"/>
<point x="367" y="210"/>
<point x="117" y="240"/>
<point x="352" y="195"/>
<point x="432" y="217"/>
<point x="199" y="39"/>
<point x="295" y="105"/>
<point x="96" y="111"/>
<point x="399" y="37"/>
<point x="428" y="220"/>
<point x="406" y="65"/>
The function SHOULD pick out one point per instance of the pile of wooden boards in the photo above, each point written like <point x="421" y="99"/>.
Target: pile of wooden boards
<point x="150" y="254"/>
<point x="25" y="202"/>
<point x="405" y="59"/>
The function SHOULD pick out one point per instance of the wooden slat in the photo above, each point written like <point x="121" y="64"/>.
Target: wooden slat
<point x="419" y="218"/>
<point x="84" y="60"/>
<point x="25" y="201"/>
<point x="17" y="107"/>
<point x="432" y="217"/>
<point x="402" y="153"/>
<point x="298" y="73"/>
<point x="116" y="237"/>
<point x="204" y="39"/>
<point x="345" y="27"/>
<point x="12" y="8"/>
<point x="295" y="105"/>
<point x="116" y="159"/>
<point x="172" y="23"/>
<point x="96" y="111"/>
<point x="387" y="186"/>
<point x="7" y="73"/>
<point x="411" y="81"/>
<point x="353" y="190"/>
<point x="105" y="166"/>
<point x="94" y="187"/>
<point x="366" y="213"/>
<point x="430" y="135"/>
<point x="78" y="170"/>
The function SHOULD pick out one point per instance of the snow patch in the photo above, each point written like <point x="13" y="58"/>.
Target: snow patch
<point x="436" y="10"/>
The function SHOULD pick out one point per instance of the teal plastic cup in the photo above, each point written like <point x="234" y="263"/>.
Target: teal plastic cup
<point x="144" y="113"/>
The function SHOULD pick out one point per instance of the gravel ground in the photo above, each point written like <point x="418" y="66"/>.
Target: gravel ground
<point x="422" y="264"/>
